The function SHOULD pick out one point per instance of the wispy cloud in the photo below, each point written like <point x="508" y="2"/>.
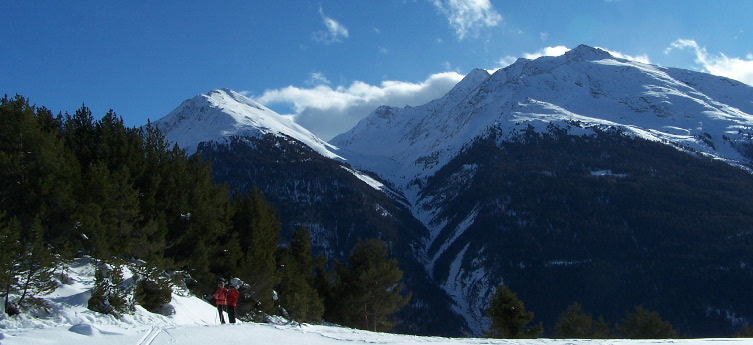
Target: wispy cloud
<point x="317" y="78"/>
<point x="328" y="111"/>
<point x="547" y="51"/>
<point x="640" y="58"/>
<point x="335" y="32"/>
<point x="506" y="61"/>
<point x="468" y="16"/>
<point x="721" y="65"/>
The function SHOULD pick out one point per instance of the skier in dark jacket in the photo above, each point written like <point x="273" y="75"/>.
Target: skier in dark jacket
<point x="220" y="297"/>
<point x="232" y="301"/>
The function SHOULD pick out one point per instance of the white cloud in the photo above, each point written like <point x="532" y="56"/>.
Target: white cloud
<point x="506" y="61"/>
<point x="548" y="51"/>
<point x="328" y="111"/>
<point x="335" y="31"/>
<point x="721" y="65"/>
<point x="467" y="16"/>
<point x="317" y="78"/>
<point x="640" y="58"/>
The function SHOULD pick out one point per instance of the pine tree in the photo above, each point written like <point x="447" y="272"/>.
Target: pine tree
<point x="258" y="230"/>
<point x="576" y="324"/>
<point x="80" y="136"/>
<point x="10" y="242"/>
<point x="326" y="284"/>
<point x="370" y="287"/>
<point x="744" y="332"/>
<point x="153" y="290"/>
<point x="110" y="295"/>
<point x="109" y="212"/>
<point x="35" y="266"/>
<point x="120" y="293"/>
<point x="296" y="292"/>
<point x="645" y="324"/>
<point x="98" y="300"/>
<point x="509" y="317"/>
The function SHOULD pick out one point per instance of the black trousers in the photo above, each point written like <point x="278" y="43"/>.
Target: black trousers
<point x="220" y="309"/>
<point x="231" y="313"/>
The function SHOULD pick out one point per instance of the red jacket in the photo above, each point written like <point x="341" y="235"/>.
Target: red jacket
<point x="232" y="297"/>
<point x="220" y="296"/>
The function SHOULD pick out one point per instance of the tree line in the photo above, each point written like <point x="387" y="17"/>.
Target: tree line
<point x="509" y="319"/>
<point x="72" y="186"/>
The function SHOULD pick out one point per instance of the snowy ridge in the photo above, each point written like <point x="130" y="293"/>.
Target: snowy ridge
<point x="588" y="86"/>
<point x="223" y="113"/>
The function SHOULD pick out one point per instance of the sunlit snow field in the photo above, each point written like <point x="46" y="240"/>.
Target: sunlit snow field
<point x="194" y="321"/>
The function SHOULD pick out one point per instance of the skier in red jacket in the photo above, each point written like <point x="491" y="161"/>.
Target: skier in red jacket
<point x="220" y="297"/>
<point x="232" y="301"/>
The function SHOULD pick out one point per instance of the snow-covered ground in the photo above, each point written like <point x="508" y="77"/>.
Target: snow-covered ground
<point x="194" y="321"/>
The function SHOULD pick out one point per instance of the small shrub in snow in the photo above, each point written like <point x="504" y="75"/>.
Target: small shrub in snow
<point x="153" y="294"/>
<point x="111" y="294"/>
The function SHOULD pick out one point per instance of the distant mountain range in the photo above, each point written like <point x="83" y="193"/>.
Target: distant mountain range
<point x="582" y="177"/>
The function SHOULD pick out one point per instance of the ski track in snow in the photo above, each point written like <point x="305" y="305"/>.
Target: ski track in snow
<point x="150" y="335"/>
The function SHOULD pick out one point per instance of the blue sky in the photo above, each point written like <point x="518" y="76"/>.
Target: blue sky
<point x="329" y="63"/>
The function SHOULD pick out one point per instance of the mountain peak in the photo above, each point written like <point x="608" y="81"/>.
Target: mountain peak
<point x="477" y="73"/>
<point x="222" y="113"/>
<point x="471" y="81"/>
<point x="584" y="52"/>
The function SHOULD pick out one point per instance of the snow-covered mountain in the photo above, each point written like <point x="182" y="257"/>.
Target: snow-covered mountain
<point x="225" y="113"/>
<point x="570" y="178"/>
<point x="309" y="185"/>
<point x="586" y="85"/>
<point x="450" y="158"/>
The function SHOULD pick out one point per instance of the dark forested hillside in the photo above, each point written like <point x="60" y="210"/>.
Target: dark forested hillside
<point x="606" y="220"/>
<point x="338" y="208"/>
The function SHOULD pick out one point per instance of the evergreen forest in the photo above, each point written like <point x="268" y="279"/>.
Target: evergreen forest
<point x="74" y="186"/>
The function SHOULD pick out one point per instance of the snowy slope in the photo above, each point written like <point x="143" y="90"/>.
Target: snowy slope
<point x="584" y="89"/>
<point x="193" y="322"/>
<point x="587" y="86"/>
<point x="223" y="113"/>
